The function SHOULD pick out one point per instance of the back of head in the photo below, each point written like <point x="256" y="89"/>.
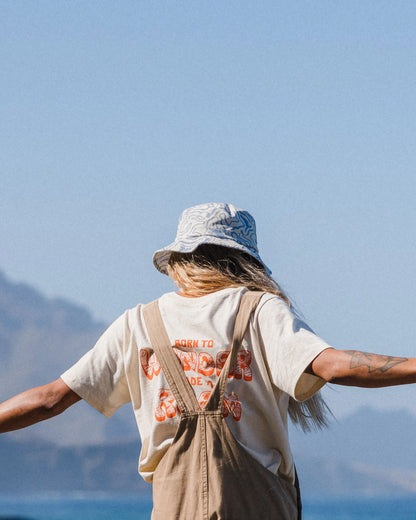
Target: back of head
<point x="211" y="268"/>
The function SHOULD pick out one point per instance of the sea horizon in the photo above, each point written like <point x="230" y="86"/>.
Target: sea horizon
<point x="129" y="506"/>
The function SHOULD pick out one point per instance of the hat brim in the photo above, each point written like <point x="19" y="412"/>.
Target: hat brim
<point x="161" y="257"/>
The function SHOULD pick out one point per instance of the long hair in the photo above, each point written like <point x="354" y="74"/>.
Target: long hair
<point x="211" y="268"/>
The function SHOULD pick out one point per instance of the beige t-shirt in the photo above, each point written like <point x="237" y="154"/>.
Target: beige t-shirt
<point x="276" y="350"/>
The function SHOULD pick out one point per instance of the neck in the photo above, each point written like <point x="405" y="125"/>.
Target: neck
<point x="187" y="295"/>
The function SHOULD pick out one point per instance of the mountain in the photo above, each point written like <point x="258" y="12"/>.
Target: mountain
<point x="368" y="453"/>
<point x="39" y="466"/>
<point x="379" y="438"/>
<point x="40" y="338"/>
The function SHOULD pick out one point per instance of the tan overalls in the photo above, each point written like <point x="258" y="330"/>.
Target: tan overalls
<point x="206" y="474"/>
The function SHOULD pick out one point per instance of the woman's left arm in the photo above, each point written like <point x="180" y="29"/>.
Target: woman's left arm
<point x="356" y="368"/>
<point x="36" y="404"/>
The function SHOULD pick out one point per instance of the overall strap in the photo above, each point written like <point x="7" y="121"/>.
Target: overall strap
<point x="172" y="369"/>
<point x="248" y="303"/>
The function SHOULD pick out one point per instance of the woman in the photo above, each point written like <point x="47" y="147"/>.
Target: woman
<point x="213" y="425"/>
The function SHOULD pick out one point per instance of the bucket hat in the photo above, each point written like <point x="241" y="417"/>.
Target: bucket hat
<point x="212" y="223"/>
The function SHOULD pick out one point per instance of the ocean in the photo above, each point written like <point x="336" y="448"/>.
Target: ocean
<point x="100" y="507"/>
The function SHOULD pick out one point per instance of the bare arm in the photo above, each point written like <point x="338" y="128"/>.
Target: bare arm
<point x="37" y="404"/>
<point x="355" y="368"/>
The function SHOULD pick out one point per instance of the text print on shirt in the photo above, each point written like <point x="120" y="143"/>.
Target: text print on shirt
<point x="201" y="364"/>
<point x="167" y="407"/>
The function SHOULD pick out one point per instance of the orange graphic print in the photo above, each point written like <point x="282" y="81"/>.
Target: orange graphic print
<point x="221" y="359"/>
<point x="203" y="399"/>
<point x="150" y="364"/>
<point x="201" y="362"/>
<point x="232" y="405"/>
<point x="194" y="343"/>
<point x="204" y="364"/>
<point x="166" y="408"/>
<point x="242" y="368"/>
<point x="189" y="360"/>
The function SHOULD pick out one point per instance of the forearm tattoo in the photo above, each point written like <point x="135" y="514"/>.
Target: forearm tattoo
<point x="374" y="362"/>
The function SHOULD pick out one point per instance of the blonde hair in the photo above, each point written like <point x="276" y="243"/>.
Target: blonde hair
<point x="211" y="268"/>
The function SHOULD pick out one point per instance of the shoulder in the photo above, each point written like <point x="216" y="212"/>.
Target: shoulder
<point x="274" y="314"/>
<point x="273" y="304"/>
<point x="126" y="322"/>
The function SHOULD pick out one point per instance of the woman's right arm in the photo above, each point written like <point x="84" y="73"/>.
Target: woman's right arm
<point x="364" y="369"/>
<point x="37" y="404"/>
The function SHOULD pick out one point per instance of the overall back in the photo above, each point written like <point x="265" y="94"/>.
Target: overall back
<point x="206" y="474"/>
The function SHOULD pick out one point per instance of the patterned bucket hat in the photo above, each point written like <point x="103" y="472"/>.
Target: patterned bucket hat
<point x="213" y="223"/>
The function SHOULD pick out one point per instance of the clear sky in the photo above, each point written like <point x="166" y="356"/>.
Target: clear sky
<point x="115" y="116"/>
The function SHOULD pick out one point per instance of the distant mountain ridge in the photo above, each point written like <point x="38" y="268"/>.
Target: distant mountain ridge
<point x="378" y="438"/>
<point x="40" y="338"/>
<point x="39" y="466"/>
<point x="32" y="326"/>
<point x="368" y="453"/>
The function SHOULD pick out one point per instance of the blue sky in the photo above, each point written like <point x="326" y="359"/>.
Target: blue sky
<point x="118" y="115"/>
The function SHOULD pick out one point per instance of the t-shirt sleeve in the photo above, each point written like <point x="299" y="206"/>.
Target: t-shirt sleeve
<point x="99" y="377"/>
<point x="290" y="347"/>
